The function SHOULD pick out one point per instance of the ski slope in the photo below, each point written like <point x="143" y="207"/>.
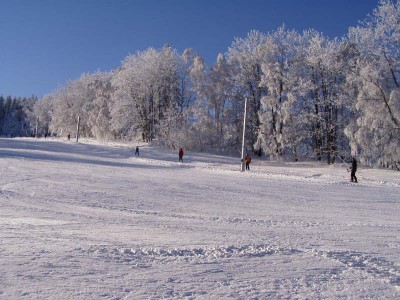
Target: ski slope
<point x="90" y="220"/>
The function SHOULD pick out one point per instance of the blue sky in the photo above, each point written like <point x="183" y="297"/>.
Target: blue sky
<point x="45" y="43"/>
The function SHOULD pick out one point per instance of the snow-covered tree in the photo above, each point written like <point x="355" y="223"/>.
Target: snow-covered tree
<point x="99" y="118"/>
<point x="41" y="114"/>
<point x="187" y="91"/>
<point x="211" y="110"/>
<point x="320" y="92"/>
<point x="144" y="89"/>
<point x="246" y="58"/>
<point x="73" y="101"/>
<point x="277" y="116"/>
<point x="200" y="124"/>
<point x="375" y="131"/>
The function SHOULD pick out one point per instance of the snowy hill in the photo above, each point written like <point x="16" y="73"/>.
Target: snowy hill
<point x="92" y="221"/>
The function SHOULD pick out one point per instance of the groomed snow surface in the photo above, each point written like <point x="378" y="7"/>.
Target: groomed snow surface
<point x="90" y="220"/>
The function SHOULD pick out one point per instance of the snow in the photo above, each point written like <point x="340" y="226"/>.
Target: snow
<point x="89" y="220"/>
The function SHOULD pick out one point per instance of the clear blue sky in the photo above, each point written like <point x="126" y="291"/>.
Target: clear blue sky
<point x="45" y="43"/>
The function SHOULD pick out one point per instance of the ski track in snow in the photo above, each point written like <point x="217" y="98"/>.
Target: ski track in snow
<point x="91" y="221"/>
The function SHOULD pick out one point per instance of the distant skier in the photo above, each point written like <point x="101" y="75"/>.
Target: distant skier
<point x="248" y="161"/>
<point x="137" y="151"/>
<point x="180" y="153"/>
<point x="69" y="136"/>
<point x="353" y="169"/>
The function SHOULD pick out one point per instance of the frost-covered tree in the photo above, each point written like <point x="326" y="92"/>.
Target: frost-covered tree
<point x="199" y="136"/>
<point x="145" y="87"/>
<point x="86" y="97"/>
<point x="303" y="111"/>
<point x="40" y="114"/>
<point x="187" y="92"/>
<point x="219" y="98"/>
<point x="127" y="111"/>
<point x="168" y="88"/>
<point x="323" y="90"/>
<point x="212" y="117"/>
<point x="375" y="131"/>
<point x="99" y="118"/>
<point x="246" y="58"/>
<point x="176" y="125"/>
<point x="277" y="134"/>
<point x="73" y="101"/>
<point x="29" y="121"/>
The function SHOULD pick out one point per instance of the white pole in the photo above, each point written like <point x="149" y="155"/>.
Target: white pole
<point x="243" y="163"/>
<point x="77" y="128"/>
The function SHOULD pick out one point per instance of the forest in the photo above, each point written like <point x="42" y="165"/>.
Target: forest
<point x="13" y="115"/>
<point x="309" y="97"/>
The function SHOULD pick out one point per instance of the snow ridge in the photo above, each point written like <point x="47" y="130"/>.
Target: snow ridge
<point x="377" y="267"/>
<point x="148" y="254"/>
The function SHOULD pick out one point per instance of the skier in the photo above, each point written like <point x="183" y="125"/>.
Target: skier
<point x="353" y="169"/>
<point x="180" y="154"/>
<point x="137" y="151"/>
<point x="248" y="161"/>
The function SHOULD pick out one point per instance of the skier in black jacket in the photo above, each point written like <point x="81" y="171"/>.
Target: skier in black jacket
<point x="354" y="170"/>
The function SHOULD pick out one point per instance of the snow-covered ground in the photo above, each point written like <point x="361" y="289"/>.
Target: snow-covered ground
<point x="92" y="221"/>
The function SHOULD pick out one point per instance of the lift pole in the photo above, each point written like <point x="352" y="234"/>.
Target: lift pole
<point x="77" y="128"/>
<point x="243" y="163"/>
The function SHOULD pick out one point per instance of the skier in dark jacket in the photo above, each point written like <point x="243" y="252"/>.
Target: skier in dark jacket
<point x="353" y="170"/>
<point x="137" y="151"/>
<point x="180" y="153"/>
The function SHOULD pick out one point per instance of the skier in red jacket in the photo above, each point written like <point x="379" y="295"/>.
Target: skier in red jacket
<point x="180" y="154"/>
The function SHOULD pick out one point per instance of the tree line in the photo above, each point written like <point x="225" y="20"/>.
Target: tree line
<point x="308" y="96"/>
<point x="14" y="120"/>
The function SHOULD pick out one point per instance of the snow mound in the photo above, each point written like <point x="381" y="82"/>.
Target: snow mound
<point x="129" y="254"/>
